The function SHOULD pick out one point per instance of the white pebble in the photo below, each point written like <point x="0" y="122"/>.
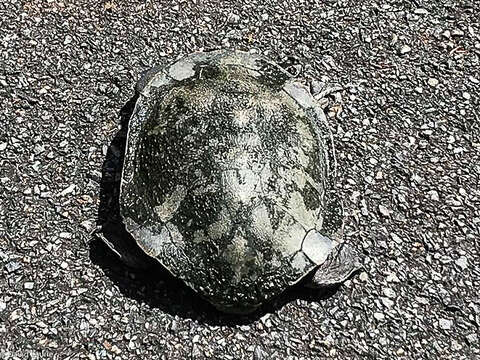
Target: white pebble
<point x="433" y="194"/>
<point x="462" y="262"/>
<point x="445" y="324"/>
<point x="433" y="82"/>
<point x="405" y="49"/>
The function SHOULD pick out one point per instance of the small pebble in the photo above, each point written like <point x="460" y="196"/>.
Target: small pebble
<point x="405" y="49"/>
<point x="234" y="18"/>
<point x="472" y="338"/>
<point x="384" y="210"/>
<point x="421" y="11"/>
<point x="259" y="353"/>
<point x="433" y="195"/>
<point x="68" y="190"/>
<point x="396" y="238"/>
<point x="388" y="292"/>
<point x="471" y="78"/>
<point x="462" y="262"/>
<point x="387" y="302"/>
<point x="363" y="276"/>
<point x="445" y="324"/>
<point x="15" y="315"/>
<point x="116" y="350"/>
<point x="197" y="352"/>
<point x="392" y="278"/>
<point x="12" y="266"/>
<point x="433" y="82"/>
<point x="457" y="32"/>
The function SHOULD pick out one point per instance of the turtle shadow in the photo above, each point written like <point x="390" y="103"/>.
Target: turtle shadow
<point x="153" y="284"/>
<point x="157" y="288"/>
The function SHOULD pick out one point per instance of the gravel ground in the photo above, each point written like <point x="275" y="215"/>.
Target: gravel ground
<point x="407" y="128"/>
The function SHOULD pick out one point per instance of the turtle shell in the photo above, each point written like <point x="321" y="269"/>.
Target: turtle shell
<point x="226" y="177"/>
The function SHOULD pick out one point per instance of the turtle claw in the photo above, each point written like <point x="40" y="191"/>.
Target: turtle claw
<point x="341" y="263"/>
<point x="123" y="245"/>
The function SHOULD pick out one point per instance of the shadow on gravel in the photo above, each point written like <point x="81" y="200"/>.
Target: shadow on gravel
<point x="154" y="285"/>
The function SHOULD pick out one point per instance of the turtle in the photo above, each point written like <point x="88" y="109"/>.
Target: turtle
<point x="228" y="181"/>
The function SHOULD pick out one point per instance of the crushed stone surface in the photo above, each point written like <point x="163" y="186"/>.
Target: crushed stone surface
<point x="405" y="116"/>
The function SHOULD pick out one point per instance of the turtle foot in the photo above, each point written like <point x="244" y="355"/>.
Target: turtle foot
<point x="341" y="263"/>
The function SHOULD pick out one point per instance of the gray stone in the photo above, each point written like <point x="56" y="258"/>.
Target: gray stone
<point x="13" y="266"/>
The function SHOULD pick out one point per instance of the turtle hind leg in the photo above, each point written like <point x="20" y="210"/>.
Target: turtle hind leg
<point x="124" y="246"/>
<point x="340" y="264"/>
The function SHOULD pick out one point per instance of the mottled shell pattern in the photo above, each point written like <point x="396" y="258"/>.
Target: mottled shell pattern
<point x="226" y="177"/>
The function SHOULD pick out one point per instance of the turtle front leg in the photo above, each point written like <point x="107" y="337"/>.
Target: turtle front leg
<point x="341" y="263"/>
